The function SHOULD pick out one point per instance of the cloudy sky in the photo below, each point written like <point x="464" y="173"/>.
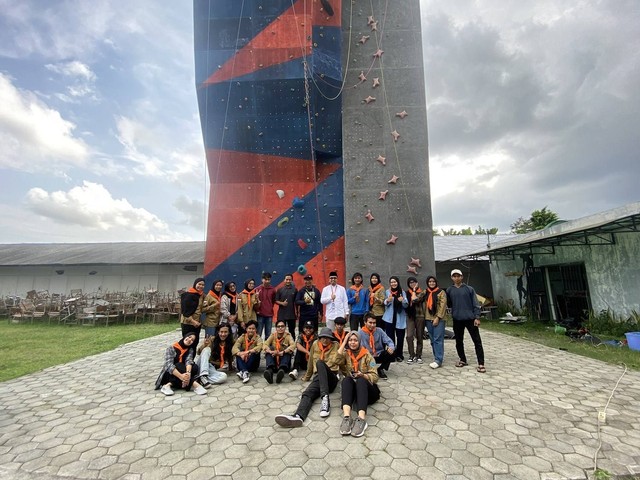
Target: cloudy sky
<point x="529" y="106"/>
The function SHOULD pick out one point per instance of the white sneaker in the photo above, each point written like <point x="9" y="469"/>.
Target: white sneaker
<point x="419" y="360"/>
<point x="245" y="377"/>
<point x="410" y="360"/>
<point x="325" y="407"/>
<point x="166" y="389"/>
<point x="293" y="374"/>
<point x="200" y="390"/>
<point x="239" y="374"/>
<point x="434" y="365"/>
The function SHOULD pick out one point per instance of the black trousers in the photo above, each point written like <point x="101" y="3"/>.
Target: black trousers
<point x="300" y="360"/>
<point x="360" y="392"/>
<point x="458" y="329"/>
<point x="176" y="383"/>
<point x="384" y="359"/>
<point x="323" y="383"/>
<point x="356" y="322"/>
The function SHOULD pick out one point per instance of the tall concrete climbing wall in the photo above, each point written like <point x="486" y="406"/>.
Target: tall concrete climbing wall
<point x="387" y="203"/>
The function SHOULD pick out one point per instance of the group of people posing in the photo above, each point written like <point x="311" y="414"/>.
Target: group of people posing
<point x="378" y="319"/>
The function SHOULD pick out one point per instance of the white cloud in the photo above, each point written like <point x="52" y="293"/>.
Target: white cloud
<point x="72" y="69"/>
<point x="81" y="77"/>
<point x="193" y="210"/>
<point x="35" y="137"/>
<point x="92" y="208"/>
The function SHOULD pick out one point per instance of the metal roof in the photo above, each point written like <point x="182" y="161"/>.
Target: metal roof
<point x="454" y="246"/>
<point x="597" y="229"/>
<point x="21" y="254"/>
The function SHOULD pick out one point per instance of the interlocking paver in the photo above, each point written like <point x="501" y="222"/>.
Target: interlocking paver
<point x="81" y="421"/>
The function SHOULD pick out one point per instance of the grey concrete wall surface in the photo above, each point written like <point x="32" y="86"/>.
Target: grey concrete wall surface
<point x="395" y="79"/>
<point x="613" y="272"/>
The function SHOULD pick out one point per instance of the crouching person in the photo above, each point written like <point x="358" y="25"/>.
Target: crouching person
<point x="359" y="386"/>
<point x="215" y="355"/>
<point x="303" y="348"/>
<point x="278" y="349"/>
<point x="324" y="364"/>
<point x="178" y="369"/>
<point x="247" y="351"/>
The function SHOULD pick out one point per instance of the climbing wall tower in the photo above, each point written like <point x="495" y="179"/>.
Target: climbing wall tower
<point x="272" y="82"/>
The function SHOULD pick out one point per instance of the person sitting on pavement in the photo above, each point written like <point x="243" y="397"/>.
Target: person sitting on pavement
<point x="215" y="356"/>
<point x="378" y="343"/>
<point x="303" y="348"/>
<point x="324" y="364"/>
<point x="359" y="386"/>
<point x="178" y="369"/>
<point x="247" y="351"/>
<point x="339" y="332"/>
<point x="278" y="349"/>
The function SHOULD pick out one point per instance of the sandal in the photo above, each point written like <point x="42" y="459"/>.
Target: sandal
<point x="460" y="364"/>
<point x="481" y="369"/>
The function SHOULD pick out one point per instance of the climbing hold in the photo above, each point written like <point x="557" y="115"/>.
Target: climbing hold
<point x="283" y="221"/>
<point x="363" y="39"/>
<point x="280" y="193"/>
<point x="382" y="160"/>
<point x="411" y="269"/>
<point x="394" y="179"/>
<point x="302" y="244"/>
<point x="362" y="77"/>
<point x="374" y="27"/>
<point x="395" y="135"/>
<point x="392" y="240"/>
<point x="369" y="217"/>
<point x="416" y="262"/>
<point x="370" y="20"/>
<point x="302" y="270"/>
<point x="402" y="114"/>
<point x="383" y="195"/>
<point x="376" y="82"/>
<point x="297" y="202"/>
<point x="378" y="53"/>
<point x="369" y="99"/>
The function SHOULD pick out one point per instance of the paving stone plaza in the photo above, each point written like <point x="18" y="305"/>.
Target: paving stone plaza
<point x="533" y="415"/>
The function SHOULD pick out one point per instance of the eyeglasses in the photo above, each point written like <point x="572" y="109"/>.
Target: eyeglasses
<point x="280" y="326"/>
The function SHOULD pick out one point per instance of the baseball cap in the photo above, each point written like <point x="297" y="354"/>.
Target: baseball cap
<point x="456" y="271"/>
<point x="308" y="277"/>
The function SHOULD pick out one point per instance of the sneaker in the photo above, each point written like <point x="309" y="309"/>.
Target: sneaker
<point x="166" y="389"/>
<point x="359" y="426"/>
<point x="410" y="360"/>
<point x="279" y="376"/>
<point x="345" y="426"/>
<point x="382" y="374"/>
<point x="239" y="374"/>
<point x="205" y="382"/>
<point x="289" y="421"/>
<point x="325" y="407"/>
<point x="434" y="365"/>
<point x="419" y="360"/>
<point x="293" y="374"/>
<point x="245" y="377"/>
<point x="268" y="376"/>
<point x="200" y="390"/>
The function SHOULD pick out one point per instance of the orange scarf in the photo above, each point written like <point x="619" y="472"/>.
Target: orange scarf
<point x="232" y="296"/>
<point x="357" y="290"/>
<point x="193" y="290"/>
<point x="340" y="338"/>
<point x="307" y="343"/>
<point x="372" y="291"/>
<point x="214" y="294"/>
<point x="372" y="342"/>
<point x="221" y="355"/>
<point x="181" y="352"/>
<point x="430" y="297"/>
<point x="323" y="350"/>
<point x="248" y="344"/>
<point x="249" y="302"/>
<point x="278" y="347"/>
<point x="411" y="292"/>
<point x="355" y="359"/>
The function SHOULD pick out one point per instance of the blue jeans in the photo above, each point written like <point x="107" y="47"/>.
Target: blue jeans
<point x="208" y="370"/>
<point x="251" y="365"/>
<point x="436" y="336"/>
<point x="264" y="323"/>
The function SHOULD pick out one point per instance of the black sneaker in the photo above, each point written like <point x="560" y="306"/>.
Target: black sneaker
<point x="268" y="375"/>
<point x="382" y="374"/>
<point x="280" y="375"/>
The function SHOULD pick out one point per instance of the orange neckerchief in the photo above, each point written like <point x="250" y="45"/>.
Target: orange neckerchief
<point x="232" y="296"/>
<point x="416" y="291"/>
<point x="430" y="298"/>
<point x="252" y="292"/>
<point x="357" y="290"/>
<point x="307" y="343"/>
<point x="372" y="342"/>
<point x="221" y="355"/>
<point x="278" y="346"/>
<point x="323" y="349"/>
<point x="183" y="352"/>
<point x="340" y="338"/>
<point x="356" y="358"/>
<point x="372" y="291"/>
<point x="248" y="344"/>
<point x="193" y="290"/>
<point x="214" y="294"/>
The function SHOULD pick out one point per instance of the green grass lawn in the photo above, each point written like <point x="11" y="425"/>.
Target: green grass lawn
<point x="27" y="348"/>
<point x="544" y="334"/>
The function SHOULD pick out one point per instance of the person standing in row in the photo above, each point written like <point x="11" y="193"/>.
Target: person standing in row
<point x="247" y="305"/>
<point x="266" y="294"/>
<point x="395" y="317"/>
<point x="465" y="310"/>
<point x="190" y="305"/>
<point x="308" y="300"/>
<point x="435" y="308"/>
<point x="229" y="309"/>
<point x="358" y="298"/>
<point x="334" y="297"/>
<point x="376" y="299"/>
<point x="415" y="320"/>
<point x="211" y="309"/>
<point x="286" y="301"/>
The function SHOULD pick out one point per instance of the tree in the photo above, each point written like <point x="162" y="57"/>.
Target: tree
<point x="468" y="231"/>
<point x="538" y="220"/>
<point x="488" y="231"/>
